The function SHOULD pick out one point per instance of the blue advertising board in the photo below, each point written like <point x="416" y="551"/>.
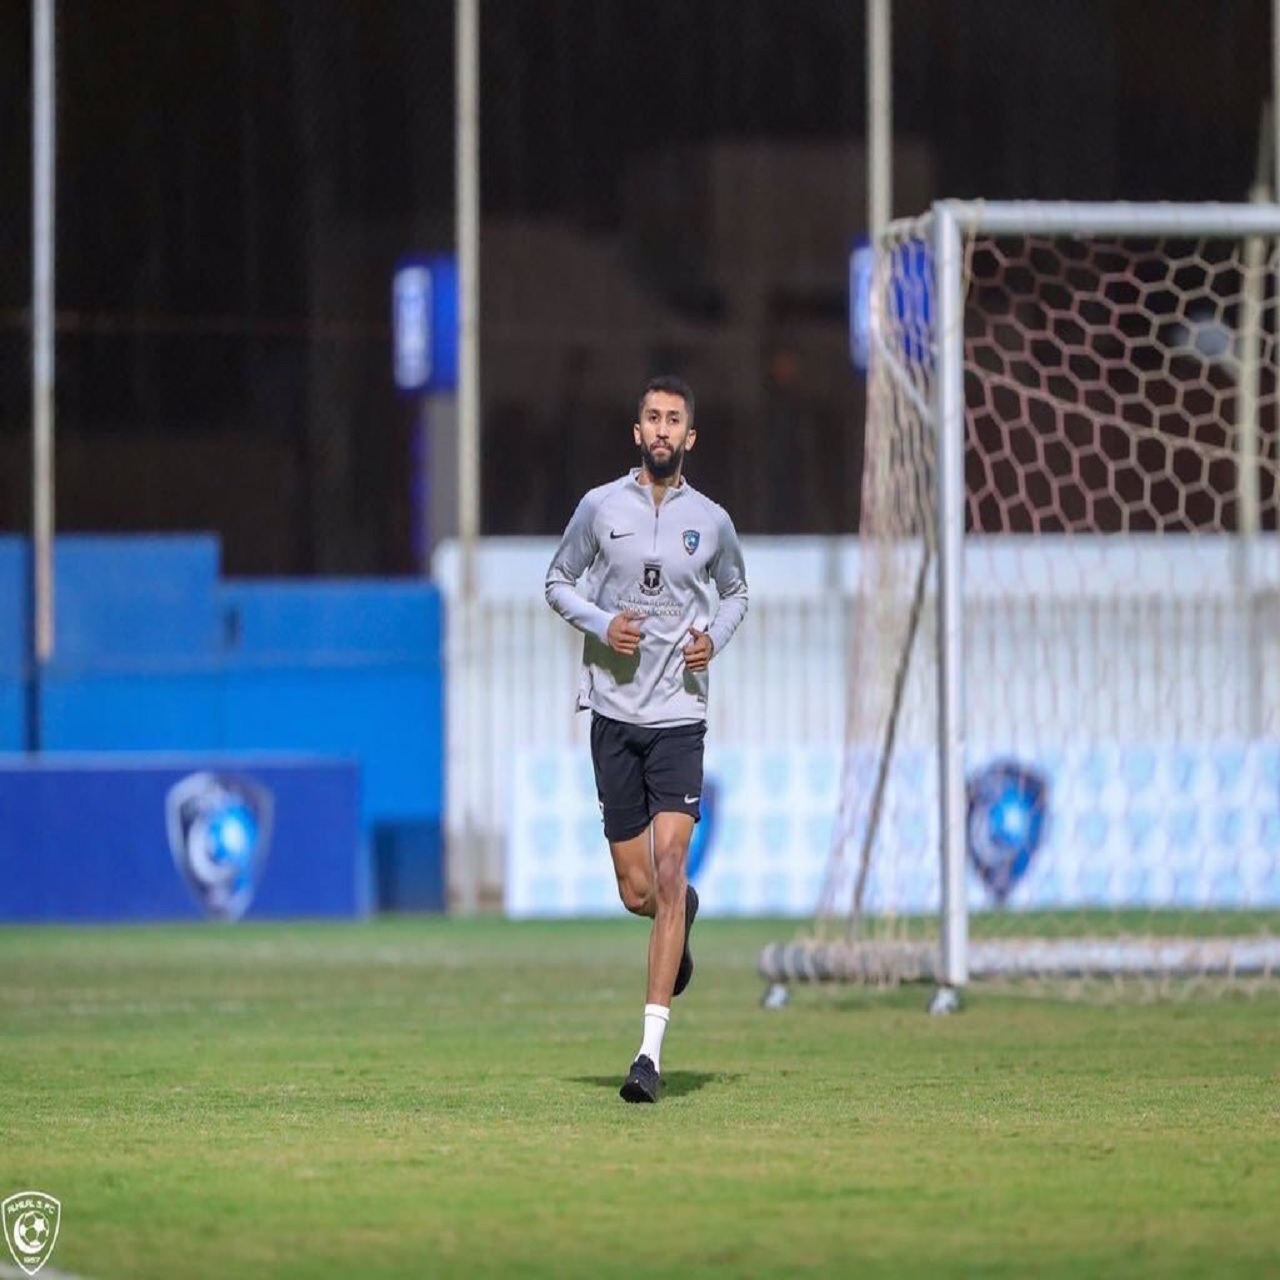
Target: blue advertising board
<point x="424" y="324"/>
<point x="906" y="301"/>
<point x="217" y="837"/>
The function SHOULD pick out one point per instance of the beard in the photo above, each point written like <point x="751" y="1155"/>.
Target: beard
<point x="662" y="468"/>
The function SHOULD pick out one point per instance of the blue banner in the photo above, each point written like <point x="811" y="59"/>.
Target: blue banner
<point x="114" y="838"/>
<point x="424" y="323"/>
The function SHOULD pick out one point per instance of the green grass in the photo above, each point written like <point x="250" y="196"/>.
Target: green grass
<point x="439" y="1098"/>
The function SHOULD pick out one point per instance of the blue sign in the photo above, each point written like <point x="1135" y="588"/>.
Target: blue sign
<point x="424" y="324"/>
<point x="906" y="301"/>
<point x="861" y="266"/>
<point x="411" y="326"/>
<point x="168" y="838"/>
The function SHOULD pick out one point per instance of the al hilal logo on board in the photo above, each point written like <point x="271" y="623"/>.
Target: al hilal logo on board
<point x="31" y="1221"/>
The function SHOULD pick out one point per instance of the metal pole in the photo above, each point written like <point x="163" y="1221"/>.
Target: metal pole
<point x="466" y="729"/>
<point x="43" y="123"/>
<point x="1247" y="491"/>
<point x="1275" y="96"/>
<point x="880" y="117"/>
<point x="950" y="419"/>
<point x="1253" y="293"/>
<point x="468" y="231"/>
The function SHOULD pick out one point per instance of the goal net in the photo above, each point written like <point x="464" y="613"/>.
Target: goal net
<point x="1063" y="743"/>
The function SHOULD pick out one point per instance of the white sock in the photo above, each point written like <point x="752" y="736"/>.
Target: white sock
<point x="656" y="1017"/>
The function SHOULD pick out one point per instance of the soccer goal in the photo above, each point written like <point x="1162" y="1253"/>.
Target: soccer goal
<point x="1062" y="756"/>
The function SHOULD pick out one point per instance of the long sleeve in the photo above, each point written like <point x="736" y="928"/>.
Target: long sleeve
<point x="573" y="557"/>
<point x="730" y="576"/>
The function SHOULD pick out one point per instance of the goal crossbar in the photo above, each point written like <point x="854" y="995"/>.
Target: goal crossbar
<point x="1066" y="218"/>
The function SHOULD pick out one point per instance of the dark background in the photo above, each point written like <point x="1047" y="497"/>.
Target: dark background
<point x="665" y="185"/>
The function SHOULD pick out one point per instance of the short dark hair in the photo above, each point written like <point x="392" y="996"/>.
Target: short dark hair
<point x="673" y="386"/>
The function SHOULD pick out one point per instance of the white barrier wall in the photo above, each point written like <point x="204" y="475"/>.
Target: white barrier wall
<point x="760" y="849"/>
<point x="513" y="673"/>
<point x="1173" y="645"/>
<point x="1123" y="826"/>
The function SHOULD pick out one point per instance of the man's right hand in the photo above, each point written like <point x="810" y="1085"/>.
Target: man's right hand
<point x="624" y="632"/>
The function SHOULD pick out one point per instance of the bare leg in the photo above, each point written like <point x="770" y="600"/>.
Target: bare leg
<point x="671" y="835"/>
<point x="633" y="865"/>
<point x="651" y="882"/>
<point x="651" y="871"/>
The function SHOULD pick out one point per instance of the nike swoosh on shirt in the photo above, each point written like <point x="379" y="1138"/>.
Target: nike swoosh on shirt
<point x="613" y="533"/>
<point x="691" y="799"/>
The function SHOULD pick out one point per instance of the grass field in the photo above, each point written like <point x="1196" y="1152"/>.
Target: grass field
<point x="439" y="1098"/>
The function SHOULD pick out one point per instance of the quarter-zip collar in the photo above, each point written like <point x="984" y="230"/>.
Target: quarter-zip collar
<point x="646" y="489"/>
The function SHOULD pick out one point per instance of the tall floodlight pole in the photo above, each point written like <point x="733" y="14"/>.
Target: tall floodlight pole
<point x="42" y="327"/>
<point x="468" y="218"/>
<point x="1275" y="98"/>
<point x="880" y="117"/>
<point x="464" y="852"/>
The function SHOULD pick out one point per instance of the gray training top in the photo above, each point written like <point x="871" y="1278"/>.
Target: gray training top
<point x="679" y="564"/>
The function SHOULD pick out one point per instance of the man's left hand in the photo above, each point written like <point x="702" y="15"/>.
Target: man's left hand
<point x="697" y="653"/>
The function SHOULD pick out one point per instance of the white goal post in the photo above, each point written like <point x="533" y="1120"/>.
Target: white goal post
<point x="1071" y="464"/>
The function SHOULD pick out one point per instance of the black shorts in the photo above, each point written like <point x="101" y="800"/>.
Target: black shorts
<point x="642" y="771"/>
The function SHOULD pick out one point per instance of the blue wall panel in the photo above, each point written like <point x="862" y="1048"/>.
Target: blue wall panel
<point x="154" y="653"/>
<point x="15" y="642"/>
<point x="15" y="634"/>
<point x="383" y="621"/>
<point x="134" y="711"/>
<point x="352" y="668"/>
<point x="13" y="731"/>
<point x="387" y="719"/>
<point x="136" y="599"/>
